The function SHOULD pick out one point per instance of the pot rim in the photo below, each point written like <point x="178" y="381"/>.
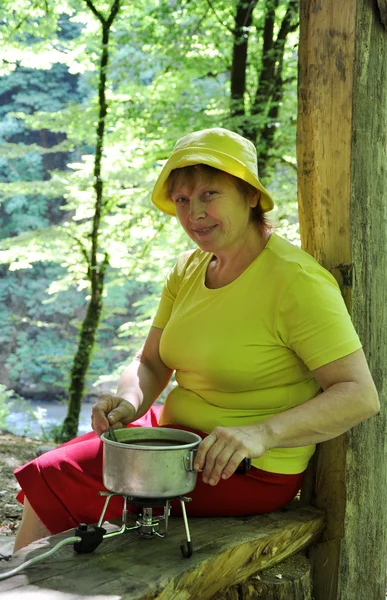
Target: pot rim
<point x="152" y="430"/>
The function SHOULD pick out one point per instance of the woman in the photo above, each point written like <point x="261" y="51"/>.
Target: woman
<point x="266" y="358"/>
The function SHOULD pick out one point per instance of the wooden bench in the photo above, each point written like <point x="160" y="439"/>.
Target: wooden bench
<point x="127" y="567"/>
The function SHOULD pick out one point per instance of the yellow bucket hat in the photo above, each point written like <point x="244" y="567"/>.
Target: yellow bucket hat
<point x="216" y="147"/>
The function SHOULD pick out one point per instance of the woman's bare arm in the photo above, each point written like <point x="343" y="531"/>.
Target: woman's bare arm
<point x="140" y="385"/>
<point x="349" y="396"/>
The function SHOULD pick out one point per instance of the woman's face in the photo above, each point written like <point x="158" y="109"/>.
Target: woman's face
<point x="213" y="211"/>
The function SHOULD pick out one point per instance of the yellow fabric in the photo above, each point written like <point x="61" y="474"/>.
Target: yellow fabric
<point x="219" y="148"/>
<point x="245" y="351"/>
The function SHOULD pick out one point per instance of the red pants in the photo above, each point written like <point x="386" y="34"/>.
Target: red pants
<point x="62" y="486"/>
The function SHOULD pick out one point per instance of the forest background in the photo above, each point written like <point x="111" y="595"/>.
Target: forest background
<point x="93" y="97"/>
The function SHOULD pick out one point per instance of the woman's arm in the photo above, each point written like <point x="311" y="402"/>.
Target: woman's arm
<point x="140" y="385"/>
<point x="349" y="396"/>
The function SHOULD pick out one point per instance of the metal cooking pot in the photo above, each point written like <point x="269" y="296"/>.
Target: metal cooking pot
<point x="150" y="462"/>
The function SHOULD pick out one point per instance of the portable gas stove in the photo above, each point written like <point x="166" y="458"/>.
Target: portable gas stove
<point x="147" y="525"/>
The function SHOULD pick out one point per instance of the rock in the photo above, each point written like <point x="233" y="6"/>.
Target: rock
<point x="12" y="510"/>
<point x="6" y="547"/>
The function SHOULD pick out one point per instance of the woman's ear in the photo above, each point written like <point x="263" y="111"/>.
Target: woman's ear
<point x="254" y="199"/>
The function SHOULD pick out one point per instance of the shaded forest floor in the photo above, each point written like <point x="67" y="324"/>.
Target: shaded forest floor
<point x="14" y="452"/>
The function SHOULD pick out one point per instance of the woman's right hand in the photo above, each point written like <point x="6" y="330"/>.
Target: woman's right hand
<point x="113" y="410"/>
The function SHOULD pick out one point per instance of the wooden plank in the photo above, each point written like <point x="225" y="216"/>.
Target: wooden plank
<point x="127" y="567"/>
<point x="289" y="580"/>
<point x="342" y="157"/>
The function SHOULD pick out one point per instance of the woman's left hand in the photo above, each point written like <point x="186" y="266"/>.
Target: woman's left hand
<point x="222" y="451"/>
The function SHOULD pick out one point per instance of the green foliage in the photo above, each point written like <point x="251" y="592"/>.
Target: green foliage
<point x="168" y="75"/>
<point x="51" y="433"/>
<point x="5" y="396"/>
<point x="11" y="402"/>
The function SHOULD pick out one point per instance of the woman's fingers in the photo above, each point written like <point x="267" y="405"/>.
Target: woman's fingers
<point x="122" y="414"/>
<point x="203" y="449"/>
<point x="112" y="410"/>
<point x="214" y="466"/>
<point x="99" y="413"/>
<point x="232" y="464"/>
<point x="220" y="454"/>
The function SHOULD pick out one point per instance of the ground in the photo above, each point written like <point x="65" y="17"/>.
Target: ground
<point x="14" y="451"/>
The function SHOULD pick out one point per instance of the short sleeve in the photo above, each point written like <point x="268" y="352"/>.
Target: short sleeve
<point x="170" y="291"/>
<point x="313" y="320"/>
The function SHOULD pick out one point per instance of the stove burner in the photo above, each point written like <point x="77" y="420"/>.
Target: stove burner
<point x="147" y="502"/>
<point x="147" y="524"/>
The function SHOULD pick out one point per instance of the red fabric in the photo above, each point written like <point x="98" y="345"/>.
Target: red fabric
<point x="62" y="486"/>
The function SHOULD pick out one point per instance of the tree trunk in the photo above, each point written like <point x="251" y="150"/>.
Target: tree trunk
<point x="96" y="272"/>
<point x="342" y="158"/>
<point x="82" y="358"/>
<point x="273" y="66"/>
<point x="257" y="123"/>
<point x="242" y="24"/>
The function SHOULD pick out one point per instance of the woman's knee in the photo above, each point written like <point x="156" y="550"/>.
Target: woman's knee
<point x="31" y="527"/>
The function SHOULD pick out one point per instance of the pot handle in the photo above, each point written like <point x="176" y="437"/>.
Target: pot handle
<point x="189" y="459"/>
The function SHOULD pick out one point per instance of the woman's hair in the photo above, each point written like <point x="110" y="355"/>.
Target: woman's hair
<point x="191" y="174"/>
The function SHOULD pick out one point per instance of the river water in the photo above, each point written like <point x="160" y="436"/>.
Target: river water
<point x="34" y="418"/>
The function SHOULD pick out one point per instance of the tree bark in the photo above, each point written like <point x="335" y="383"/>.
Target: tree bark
<point x="242" y="24"/>
<point x="342" y="158"/>
<point x="96" y="271"/>
<point x="266" y="80"/>
<point x="82" y="358"/>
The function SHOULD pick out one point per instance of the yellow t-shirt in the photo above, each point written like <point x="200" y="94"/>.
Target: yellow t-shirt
<point x="245" y="351"/>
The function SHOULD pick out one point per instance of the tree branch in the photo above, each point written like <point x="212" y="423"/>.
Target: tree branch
<point x="288" y="163"/>
<point x="249" y="12"/>
<point x="287" y="26"/>
<point x="113" y="13"/>
<point x="145" y="250"/>
<point x="218" y="18"/>
<point x="197" y="25"/>
<point x="99" y="15"/>
<point x="83" y="250"/>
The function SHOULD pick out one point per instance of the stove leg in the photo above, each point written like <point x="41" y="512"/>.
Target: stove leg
<point x="125" y="512"/>
<point x="186" y="548"/>
<point x="167" y="510"/>
<point x="102" y="517"/>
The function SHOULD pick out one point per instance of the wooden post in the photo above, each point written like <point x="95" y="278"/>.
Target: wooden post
<point x="342" y="158"/>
